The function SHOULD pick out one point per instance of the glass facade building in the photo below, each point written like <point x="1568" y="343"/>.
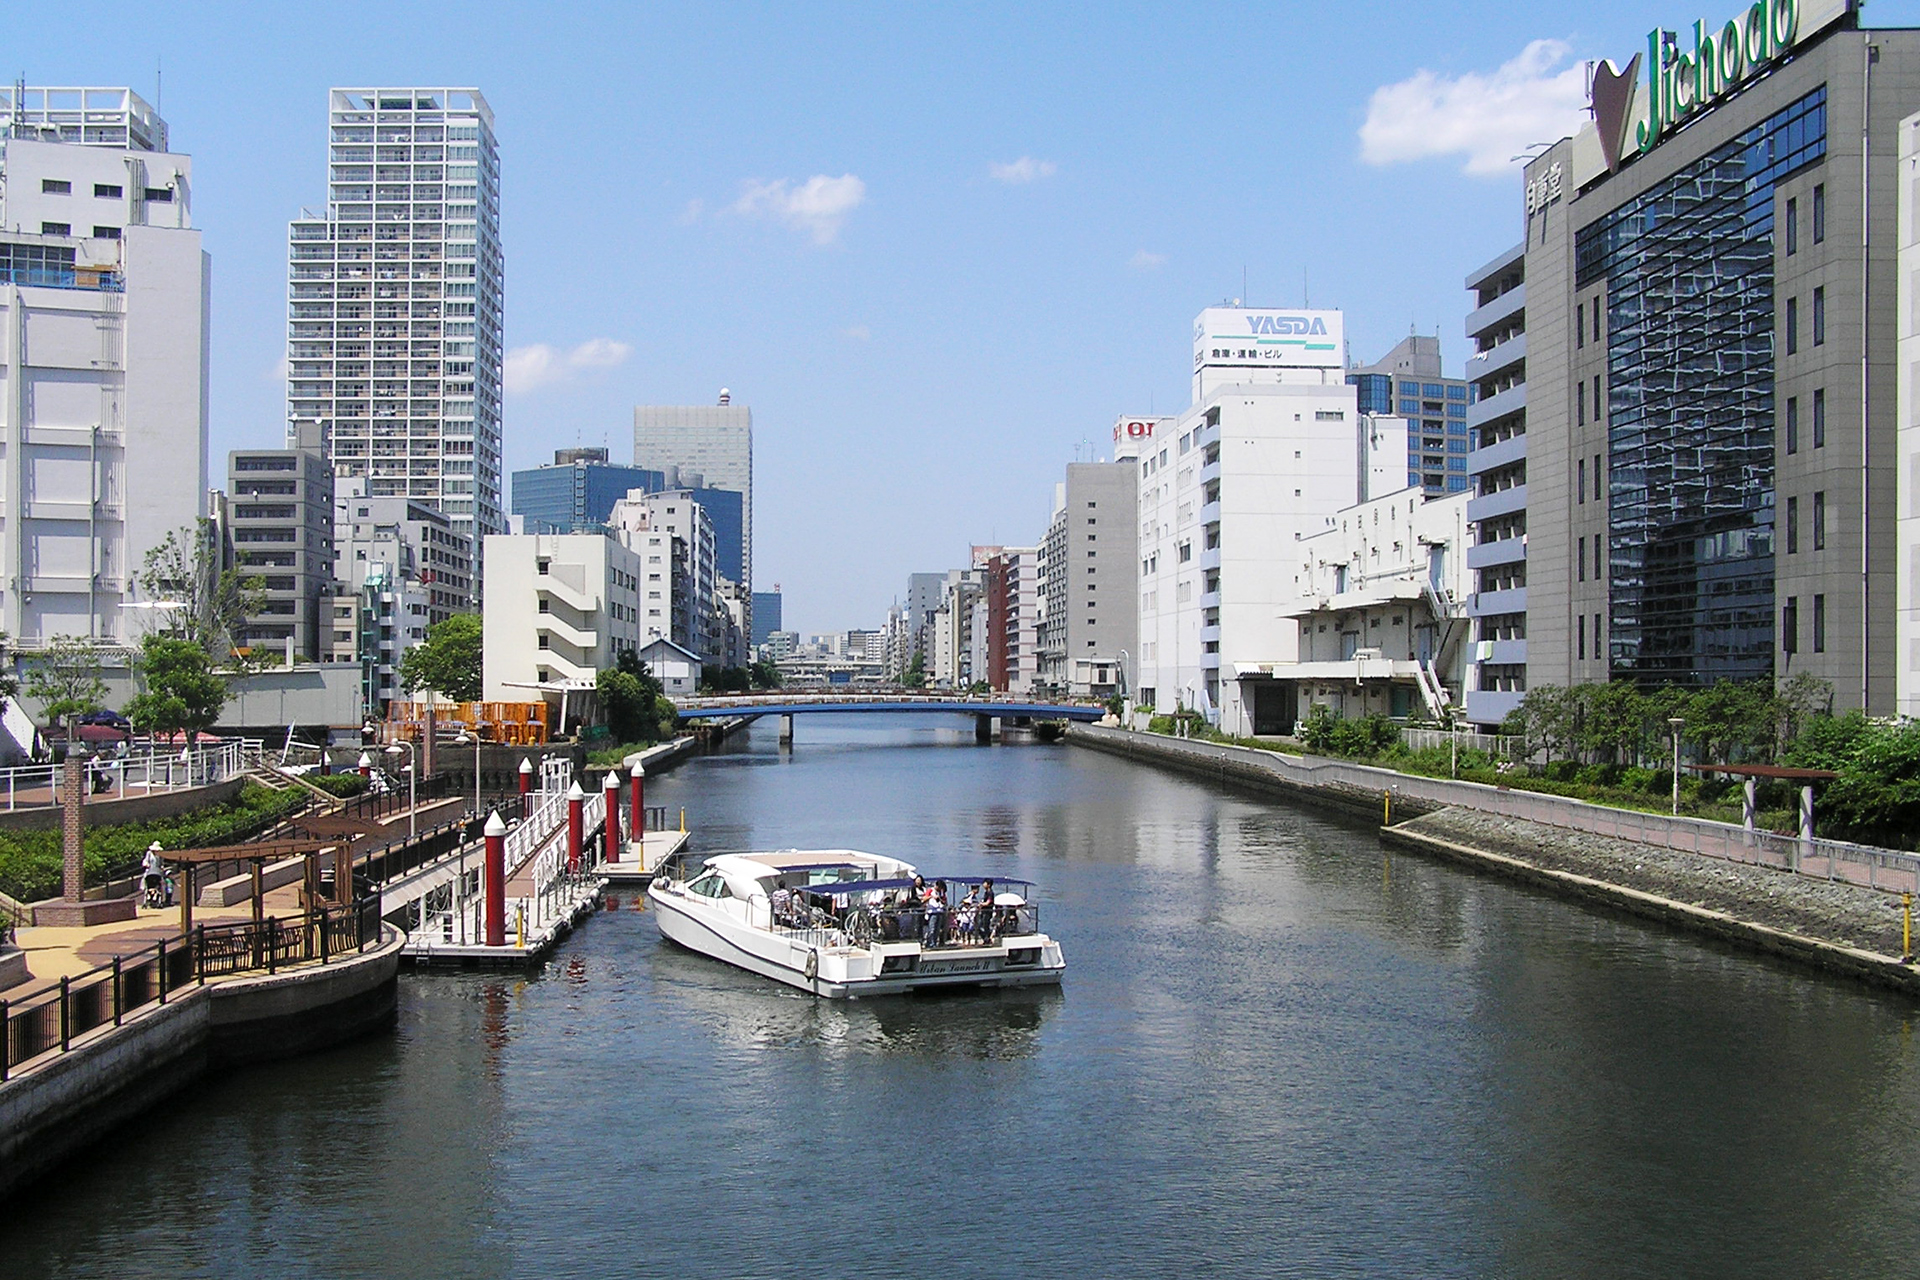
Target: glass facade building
<point x="1686" y="269"/>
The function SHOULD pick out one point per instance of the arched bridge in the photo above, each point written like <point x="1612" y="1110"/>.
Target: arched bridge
<point x="984" y="710"/>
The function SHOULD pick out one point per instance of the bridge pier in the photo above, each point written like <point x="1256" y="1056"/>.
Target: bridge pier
<point x="983" y="730"/>
<point x="786" y="730"/>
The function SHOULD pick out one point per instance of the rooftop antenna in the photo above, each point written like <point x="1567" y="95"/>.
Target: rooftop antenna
<point x="159" y="99"/>
<point x="1306" y="298"/>
<point x="1243" y="280"/>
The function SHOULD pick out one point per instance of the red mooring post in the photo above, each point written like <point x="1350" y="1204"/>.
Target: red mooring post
<point x="526" y="786"/>
<point x="496" y="880"/>
<point x="637" y="813"/>
<point x="611" y="794"/>
<point x="576" y="820"/>
<point x="366" y="765"/>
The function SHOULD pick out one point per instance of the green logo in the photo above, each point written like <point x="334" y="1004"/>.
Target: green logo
<point x="1680" y="83"/>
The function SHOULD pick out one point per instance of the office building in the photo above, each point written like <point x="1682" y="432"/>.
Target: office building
<point x="1907" y="456"/>
<point x="1497" y="593"/>
<point x="1089" y="626"/>
<point x="576" y="492"/>
<point x="103" y="358"/>
<point x="560" y="609"/>
<point x="394" y="302"/>
<point x="765" y="614"/>
<point x="1407" y="384"/>
<point x="1268" y="451"/>
<point x="280" y="526"/>
<point x="715" y="443"/>
<point x="1705" y="294"/>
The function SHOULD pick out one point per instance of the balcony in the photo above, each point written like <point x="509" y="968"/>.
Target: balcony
<point x="1498" y="311"/>
<point x="1497" y="455"/>
<point x="1504" y="653"/>
<point x="1484" y="707"/>
<point x="1512" y="400"/>
<point x="1505" y="502"/>
<point x="1488" y="363"/>
<point x="1484" y="604"/>
<point x="1505" y="551"/>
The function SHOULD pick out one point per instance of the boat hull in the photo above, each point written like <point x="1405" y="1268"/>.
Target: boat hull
<point x="706" y="930"/>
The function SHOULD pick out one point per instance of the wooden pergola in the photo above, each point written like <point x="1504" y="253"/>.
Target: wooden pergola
<point x="257" y="854"/>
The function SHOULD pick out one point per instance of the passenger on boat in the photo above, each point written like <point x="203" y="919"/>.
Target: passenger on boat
<point x="933" y="923"/>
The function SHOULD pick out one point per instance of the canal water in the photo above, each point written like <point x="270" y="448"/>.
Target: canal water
<point x="1277" y="1052"/>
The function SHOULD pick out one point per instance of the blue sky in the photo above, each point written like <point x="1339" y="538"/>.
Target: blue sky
<point x="936" y="249"/>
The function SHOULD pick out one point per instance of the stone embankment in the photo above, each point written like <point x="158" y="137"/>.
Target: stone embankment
<point x="1841" y="927"/>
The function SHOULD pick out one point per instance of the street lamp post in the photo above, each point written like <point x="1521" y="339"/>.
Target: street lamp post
<point x="460" y="885"/>
<point x="413" y="787"/>
<point x="1676" y="723"/>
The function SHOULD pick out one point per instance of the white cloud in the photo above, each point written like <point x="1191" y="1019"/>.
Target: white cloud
<point x="276" y="373"/>
<point x="859" y="333"/>
<point x="541" y="365"/>
<point x="1025" y="169"/>
<point x="1488" y="118"/>
<point x="819" y="206"/>
<point x="1144" y="261"/>
<point x="691" y="213"/>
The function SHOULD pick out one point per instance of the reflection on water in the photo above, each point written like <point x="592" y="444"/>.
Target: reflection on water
<point x="1279" y="1051"/>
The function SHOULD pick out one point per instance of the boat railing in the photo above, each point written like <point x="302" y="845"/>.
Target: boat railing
<point x="961" y="926"/>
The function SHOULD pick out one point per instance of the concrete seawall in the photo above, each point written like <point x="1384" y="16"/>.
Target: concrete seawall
<point x="54" y="1109"/>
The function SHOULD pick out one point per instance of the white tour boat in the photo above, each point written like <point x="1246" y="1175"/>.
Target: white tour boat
<point x="840" y="923"/>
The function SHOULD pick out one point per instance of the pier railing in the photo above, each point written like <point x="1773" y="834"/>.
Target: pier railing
<point x="51" y="1020"/>
<point x="147" y="771"/>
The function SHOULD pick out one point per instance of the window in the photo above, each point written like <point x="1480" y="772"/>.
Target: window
<point x="1790" y="625"/>
<point x="1793" y="526"/>
<point x="1820" y="316"/>
<point x="1598" y="412"/>
<point x="1820" y="418"/>
<point x="1580" y="325"/>
<point x="1598" y="653"/>
<point x="1580" y="404"/>
<point x="1597" y="495"/>
<point x="56" y="228"/>
<point x="1596" y="319"/>
<point x="106" y="233"/>
<point x="1819" y="624"/>
<point x="1581" y="624"/>
<point x="55" y="187"/>
<point x="1790" y="228"/>
<point x="1793" y="325"/>
<point x="1820" y="213"/>
<point x="1583" y="560"/>
<point x="107" y="191"/>
<point x="1793" y="424"/>
<point x="1820" y="520"/>
<point x="159" y="195"/>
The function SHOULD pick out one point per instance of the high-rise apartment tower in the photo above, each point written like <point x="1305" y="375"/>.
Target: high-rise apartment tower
<point x="394" y="302"/>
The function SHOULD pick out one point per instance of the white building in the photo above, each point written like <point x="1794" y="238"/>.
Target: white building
<point x="681" y="584"/>
<point x="103" y="357"/>
<point x="1089" y="626"/>
<point x="1227" y="492"/>
<point x="1381" y="611"/>
<point x="394" y="301"/>
<point x="559" y="610"/>
<point x="1907" y="447"/>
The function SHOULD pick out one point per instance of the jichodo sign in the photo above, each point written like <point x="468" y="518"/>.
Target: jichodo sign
<point x="1681" y="81"/>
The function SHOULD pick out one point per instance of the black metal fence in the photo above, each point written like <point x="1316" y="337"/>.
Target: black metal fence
<point x="50" y="1021"/>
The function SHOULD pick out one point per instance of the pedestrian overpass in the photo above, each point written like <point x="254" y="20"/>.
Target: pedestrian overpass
<point x="985" y="710"/>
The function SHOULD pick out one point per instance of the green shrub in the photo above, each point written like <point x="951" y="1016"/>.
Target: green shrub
<point x="338" y="784"/>
<point x="30" y="860"/>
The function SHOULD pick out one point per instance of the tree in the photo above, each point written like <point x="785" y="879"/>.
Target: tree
<point x="916" y="676"/>
<point x="1545" y="718"/>
<point x="448" y="660"/>
<point x="210" y="604"/>
<point x="65" y="678"/>
<point x="1797" y="702"/>
<point x="765" y="675"/>
<point x="720" y="679"/>
<point x="1729" y="719"/>
<point x="9" y="684"/>
<point x="626" y="705"/>
<point x="180" y="689"/>
<point x="1613" y="720"/>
